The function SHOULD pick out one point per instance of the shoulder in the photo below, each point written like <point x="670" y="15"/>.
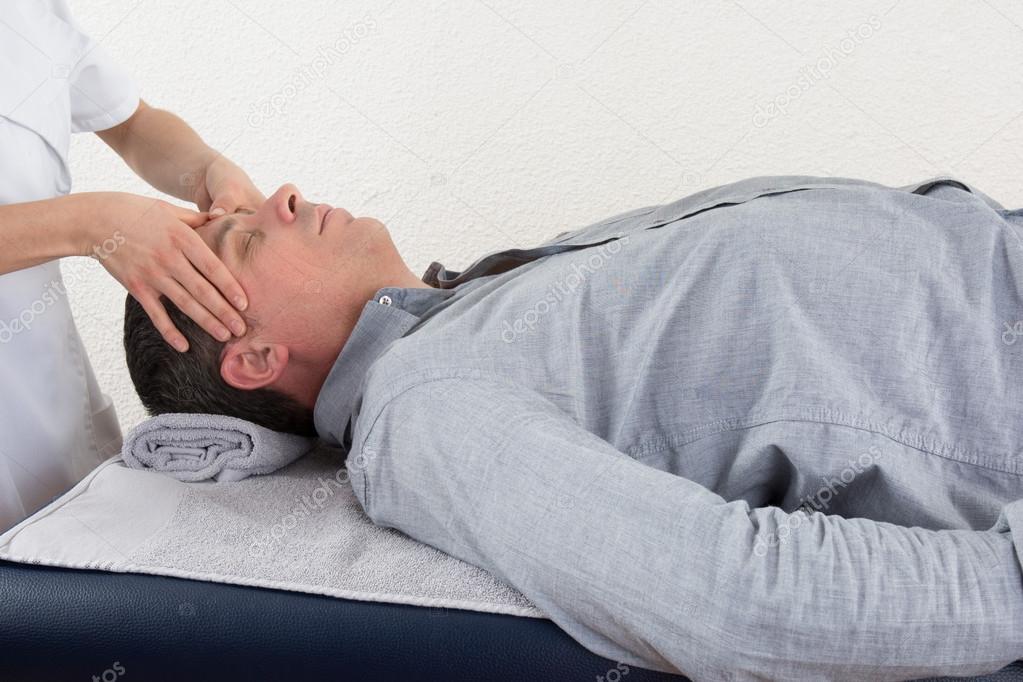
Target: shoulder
<point x="443" y="401"/>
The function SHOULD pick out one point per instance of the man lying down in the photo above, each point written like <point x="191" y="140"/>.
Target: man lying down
<point x="771" y="430"/>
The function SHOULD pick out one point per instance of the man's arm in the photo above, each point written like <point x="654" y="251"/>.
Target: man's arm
<point x="652" y="569"/>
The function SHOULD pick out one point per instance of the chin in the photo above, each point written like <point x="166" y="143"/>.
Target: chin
<point x="366" y="223"/>
<point x="354" y="230"/>
<point x="368" y="231"/>
<point x="363" y="238"/>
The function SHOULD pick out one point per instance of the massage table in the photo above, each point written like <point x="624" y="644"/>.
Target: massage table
<point x="131" y="573"/>
<point x="65" y="624"/>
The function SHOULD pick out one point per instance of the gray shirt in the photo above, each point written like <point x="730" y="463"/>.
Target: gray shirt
<point x="773" y="429"/>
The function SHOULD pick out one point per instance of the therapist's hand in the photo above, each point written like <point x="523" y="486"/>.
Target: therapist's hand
<point x="151" y="248"/>
<point x="225" y="188"/>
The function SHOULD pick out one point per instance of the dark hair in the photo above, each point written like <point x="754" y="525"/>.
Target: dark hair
<point x="168" y="380"/>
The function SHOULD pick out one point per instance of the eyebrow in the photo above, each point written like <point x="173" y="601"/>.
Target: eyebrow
<point x="218" y="239"/>
<point x="229" y="224"/>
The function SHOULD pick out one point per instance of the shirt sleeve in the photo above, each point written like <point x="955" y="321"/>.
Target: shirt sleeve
<point x="651" y="569"/>
<point x="102" y="92"/>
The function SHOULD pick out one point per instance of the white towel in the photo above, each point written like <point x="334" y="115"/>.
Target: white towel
<point x="198" y="447"/>
<point x="302" y="529"/>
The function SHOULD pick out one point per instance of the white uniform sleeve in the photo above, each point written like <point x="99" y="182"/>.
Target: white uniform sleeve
<point x="103" y="94"/>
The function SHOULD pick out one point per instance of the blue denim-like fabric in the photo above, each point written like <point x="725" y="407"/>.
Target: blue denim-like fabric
<point x="773" y="430"/>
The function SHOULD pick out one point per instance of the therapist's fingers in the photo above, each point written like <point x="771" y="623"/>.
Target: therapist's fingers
<point x="150" y="302"/>
<point x="213" y="284"/>
<point x="188" y="302"/>
<point x="189" y="217"/>
<point x="209" y="298"/>
<point x="233" y="198"/>
<point x="228" y="188"/>
<point x="161" y="253"/>
<point x="224" y="204"/>
<point x="188" y="291"/>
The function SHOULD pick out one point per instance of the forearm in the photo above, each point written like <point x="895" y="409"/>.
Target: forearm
<point x="39" y="231"/>
<point x="652" y="569"/>
<point x="163" y="150"/>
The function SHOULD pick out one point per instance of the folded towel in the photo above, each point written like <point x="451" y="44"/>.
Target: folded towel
<point x="197" y="447"/>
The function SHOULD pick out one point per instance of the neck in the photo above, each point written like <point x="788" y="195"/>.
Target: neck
<point x="408" y="280"/>
<point x="305" y="384"/>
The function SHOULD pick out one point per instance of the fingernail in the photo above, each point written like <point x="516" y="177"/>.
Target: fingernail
<point x="223" y="334"/>
<point x="238" y="327"/>
<point x="181" y="344"/>
<point x="218" y="211"/>
<point x="240" y="303"/>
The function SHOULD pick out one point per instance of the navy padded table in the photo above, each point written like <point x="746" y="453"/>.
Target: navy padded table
<point x="67" y="624"/>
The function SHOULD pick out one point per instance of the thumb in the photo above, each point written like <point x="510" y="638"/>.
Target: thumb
<point x="223" y="204"/>
<point x="190" y="217"/>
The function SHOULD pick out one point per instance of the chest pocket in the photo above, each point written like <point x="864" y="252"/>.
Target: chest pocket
<point x="33" y="164"/>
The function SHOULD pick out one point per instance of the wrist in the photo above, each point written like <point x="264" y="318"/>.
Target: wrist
<point x="197" y="192"/>
<point x="90" y="213"/>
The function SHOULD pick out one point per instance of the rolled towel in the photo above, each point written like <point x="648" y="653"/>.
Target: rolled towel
<point x="197" y="447"/>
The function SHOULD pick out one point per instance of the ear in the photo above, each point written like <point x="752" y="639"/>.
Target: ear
<point x="249" y="366"/>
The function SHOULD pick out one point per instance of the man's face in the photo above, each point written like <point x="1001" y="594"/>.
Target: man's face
<point x="306" y="269"/>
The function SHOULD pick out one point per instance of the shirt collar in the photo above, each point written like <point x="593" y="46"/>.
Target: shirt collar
<point x="385" y="318"/>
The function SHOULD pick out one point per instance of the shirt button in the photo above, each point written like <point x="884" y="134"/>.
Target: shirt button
<point x="384" y="300"/>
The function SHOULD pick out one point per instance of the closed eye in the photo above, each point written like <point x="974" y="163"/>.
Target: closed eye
<point x="227" y="226"/>
<point x="247" y="246"/>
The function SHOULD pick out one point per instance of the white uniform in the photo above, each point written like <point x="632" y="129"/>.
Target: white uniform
<point x="55" y="424"/>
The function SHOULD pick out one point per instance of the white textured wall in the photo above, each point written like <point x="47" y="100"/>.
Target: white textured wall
<point x="472" y="125"/>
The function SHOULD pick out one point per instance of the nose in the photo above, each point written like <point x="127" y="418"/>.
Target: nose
<point x="284" y="203"/>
